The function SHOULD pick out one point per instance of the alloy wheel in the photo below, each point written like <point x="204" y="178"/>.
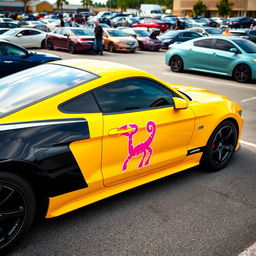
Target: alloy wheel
<point x="242" y="73"/>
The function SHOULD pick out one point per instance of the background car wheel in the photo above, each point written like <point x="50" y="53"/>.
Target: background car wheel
<point x="17" y="209"/>
<point x="72" y="48"/>
<point x="49" y="45"/>
<point x="242" y="73"/>
<point x="141" y="45"/>
<point x="43" y="46"/>
<point x="176" y="64"/>
<point x="112" y="47"/>
<point x="220" y="146"/>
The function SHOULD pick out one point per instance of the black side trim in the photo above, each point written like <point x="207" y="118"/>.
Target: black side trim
<point x="195" y="150"/>
<point x="45" y="144"/>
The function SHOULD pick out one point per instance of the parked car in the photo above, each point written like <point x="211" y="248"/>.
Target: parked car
<point x="51" y="23"/>
<point x="195" y="23"/>
<point x="71" y="39"/>
<point x="171" y="22"/>
<point x="206" y="31"/>
<point x="241" y="22"/>
<point x="147" y="23"/>
<point x="33" y="24"/>
<point x="210" y="22"/>
<point x="176" y="37"/>
<point x="27" y="16"/>
<point x="245" y="33"/>
<point x="146" y="40"/>
<point x="220" y="21"/>
<point x="77" y="131"/>
<point x="78" y="18"/>
<point x="3" y="30"/>
<point x="14" y="58"/>
<point x="117" y="40"/>
<point x="228" y="56"/>
<point x="7" y="20"/>
<point x="8" y="25"/>
<point x="104" y="25"/>
<point x="119" y="21"/>
<point x="26" y="37"/>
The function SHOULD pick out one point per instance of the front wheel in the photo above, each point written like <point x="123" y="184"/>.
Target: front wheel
<point x="72" y="48"/>
<point x="112" y="47"/>
<point x="242" y="73"/>
<point x="176" y="64"/>
<point x="220" y="146"/>
<point x="17" y="209"/>
<point x="49" y="45"/>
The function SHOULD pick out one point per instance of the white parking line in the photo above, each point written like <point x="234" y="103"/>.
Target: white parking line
<point x="248" y="143"/>
<point x="249" y="99"/>
<point x="251" y="251"/>
<point x="211" y="80"/>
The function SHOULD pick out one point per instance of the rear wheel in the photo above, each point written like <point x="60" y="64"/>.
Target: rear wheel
<point x="220" y="146"/>
<point x="17" y="209"/>
<point x="72" y="48"/>
<point x="43" y="46"/>
<point x="242" y="73"/>
<point x="112" y="47"/>
<point x="176" y="64"/>
<point x="141" y="45"/>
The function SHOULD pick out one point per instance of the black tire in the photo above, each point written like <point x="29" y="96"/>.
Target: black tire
<point x="176" y="64"/>
<point x="220" y="146"/>
<point x="242" y="73"/>
<point x="72" y="48"/>
<point x="43" y="46"/>
<point x="141" y="45"/>
<point x="112" y="47"/>
<point x="17" y="209"/>
<point x="49" y="45"/>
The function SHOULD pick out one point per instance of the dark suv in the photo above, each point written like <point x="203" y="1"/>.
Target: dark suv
<point x="241" y="22"/>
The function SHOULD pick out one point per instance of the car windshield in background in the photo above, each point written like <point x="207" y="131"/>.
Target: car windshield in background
<point x="11" y="32"/>
<point x="142" y="33"/>
<point x="246" y="45"/>
<point x="36" y="22"/>
<point x="171" y="34"/>
<point x="117" y="33"/>
<point x="213" y="31"/>
<point x="82" y="32"/>
<point x="27" y="87"/>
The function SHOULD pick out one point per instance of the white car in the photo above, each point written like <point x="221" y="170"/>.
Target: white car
<point x="26" y="37"/>
<point x="51" y="23"/>
<point x="7" y="20"/>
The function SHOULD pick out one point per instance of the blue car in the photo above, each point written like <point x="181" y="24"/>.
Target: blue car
<point x="228" y="56"/>
<point x="14" y="58"/>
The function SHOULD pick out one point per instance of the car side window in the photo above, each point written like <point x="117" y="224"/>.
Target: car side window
<point x="65" y="32"/>
<point x="134" y="94"/>
<point x="223" y="45"/>
<point x="186" y="34"/>
<point x="34" y="32"/>
<point x="11" y="50"/>
<point x="58" y="31"/>
<point x="253" y="33"/>
<point x="10" y="25"/>
<point x="204" y="43"/>
<point x="84" y="103"/>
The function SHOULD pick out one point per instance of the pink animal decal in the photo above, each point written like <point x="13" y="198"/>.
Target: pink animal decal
<point x="142" y="148"/>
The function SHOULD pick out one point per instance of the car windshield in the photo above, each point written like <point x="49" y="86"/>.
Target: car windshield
<point x="142" y="33"/>
<point x="30" y="86"/>
<point x="36" y="22"/>
<point x="246" y="45"/>
<point x="82" y="32"/>
<point x="117" y="33"/>
<point x="11" y="32"/>
<point x="171" y="34"/>
<point x="213" y="31"/>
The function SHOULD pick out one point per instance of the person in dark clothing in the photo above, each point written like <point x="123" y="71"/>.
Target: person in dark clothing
<point x="98" y="32"/>
<point x="177" y="25"/>
<point x="62" y="23"/>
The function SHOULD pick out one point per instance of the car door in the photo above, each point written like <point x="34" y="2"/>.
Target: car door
<point x="12" y="59"/>
<point x="22" y="38"/>
<point x="64" y="38"/>
<point x="56" y="37"/>
<point x="200" y="54"/>
<point x="142" y="133"/>
<point x="36" y="38"/>
<point x="223" y="59"/>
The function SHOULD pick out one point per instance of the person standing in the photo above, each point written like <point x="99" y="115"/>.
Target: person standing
<point x="72" y="22"/>
<point x="62" y="23"/>
<point x="98" y="33"/>
<point x="177" y="24"/>
<point x="226" y="32"/>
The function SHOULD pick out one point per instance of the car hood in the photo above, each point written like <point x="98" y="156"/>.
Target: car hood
<point x="126" y="39"/>
<point x="45" y="55"/>
<point x="200" y="95"/>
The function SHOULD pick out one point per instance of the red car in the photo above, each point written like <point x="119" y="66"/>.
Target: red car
<point x="78" y="18"/>
<point x="152" y="24"/>
<point x="71" y="39"/>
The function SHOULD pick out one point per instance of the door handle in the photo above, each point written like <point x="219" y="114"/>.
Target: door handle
<point x="119" y="131"/>
<point x="8" y="61"/>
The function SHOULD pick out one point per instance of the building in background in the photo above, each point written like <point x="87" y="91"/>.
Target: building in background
<point x="240" y="7"/>
<point x="39" y="7"/>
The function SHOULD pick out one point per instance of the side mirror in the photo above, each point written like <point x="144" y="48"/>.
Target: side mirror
<point x="66" y="35"/>
<point x="179" y="103"/>
<point x="19" y="35"/>
<point x="234" y="50"/>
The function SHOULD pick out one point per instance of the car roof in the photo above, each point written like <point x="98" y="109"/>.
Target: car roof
<point x="100" y="67"/>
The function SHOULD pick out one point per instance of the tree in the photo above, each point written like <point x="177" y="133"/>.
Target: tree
<point x="60" y="3"/>
<point x="199" y="8"/>
<point x="224" y="8"/>
<point x="86" y="3"/>
<point x="25" y="4"/>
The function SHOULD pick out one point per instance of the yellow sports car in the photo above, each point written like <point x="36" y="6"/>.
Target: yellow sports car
<point x="77" y="131"/>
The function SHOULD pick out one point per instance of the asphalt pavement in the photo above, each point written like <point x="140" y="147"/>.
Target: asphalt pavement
<point x="191" y="213"/>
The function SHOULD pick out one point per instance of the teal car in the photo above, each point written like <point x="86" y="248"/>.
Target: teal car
<point x="228" y="56"/>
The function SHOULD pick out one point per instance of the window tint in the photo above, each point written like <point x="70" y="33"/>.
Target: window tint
<point x="186" y="34"/>
<point x="246" y="45"/>
<point x="253" y="33"/>
<point x="34" y="32"/>
<point x="205" y="43"/>
<point x="133" y="95"/>
<point x="10" y="25"/>
<point x="11" y="50"/>
<point x="19" y="91"/>
<point x="195" y="35"/>
<point x="58" y="31"/>
<point x="82" y="104"/>
<point x="223" y="45"/>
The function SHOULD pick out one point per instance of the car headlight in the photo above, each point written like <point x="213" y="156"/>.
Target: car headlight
<point x="121" y="42"/>
<point x="167" y="40"/>
<point x="254" y="60"/>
